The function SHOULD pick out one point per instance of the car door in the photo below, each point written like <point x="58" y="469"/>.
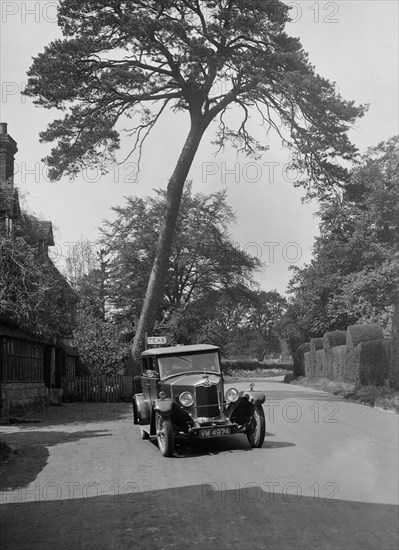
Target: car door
<point x="150" y="381"/>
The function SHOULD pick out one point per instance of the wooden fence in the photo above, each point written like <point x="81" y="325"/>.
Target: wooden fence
<point x="98" y="388"/>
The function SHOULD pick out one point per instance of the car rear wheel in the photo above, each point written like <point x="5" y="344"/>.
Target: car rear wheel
<point x="164" y="430"/>
<point x="256" y="428"/>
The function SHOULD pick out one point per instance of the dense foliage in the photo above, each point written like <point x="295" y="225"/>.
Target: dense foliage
<point x="354" y="275"/>
<point x="243" y="322"/>
<point x="33" y="294"/>
<point x="203" y="257"/>
<point x="103" y="347"/>
<point x="121" y="58"/>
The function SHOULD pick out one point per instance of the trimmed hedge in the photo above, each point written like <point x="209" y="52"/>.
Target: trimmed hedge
<point x="308" y="363"/>
<point x="359" y="355"/>
<point x="316" y="344"/>
<point x="331" y="340"/>
<point x="358" y="334"/>
<point x="338" y="362"/>
<point x="320" y="363"/>
<point x="394" y="367"/>
<point x="374" y="361"/>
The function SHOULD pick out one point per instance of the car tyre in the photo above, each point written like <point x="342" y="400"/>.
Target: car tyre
<point x="256" y="429"/>
<point x="164" y="430"/>
<point x="135" y="414"/>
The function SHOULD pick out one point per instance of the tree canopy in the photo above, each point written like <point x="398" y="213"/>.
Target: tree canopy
<point x="119" y="58"/>
<point x="242" y="322"/>
<point x="203" y="257"/>
<point x="354" y="275"/>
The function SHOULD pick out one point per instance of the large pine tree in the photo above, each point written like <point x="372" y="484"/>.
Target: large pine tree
<point x="126" y="58"/>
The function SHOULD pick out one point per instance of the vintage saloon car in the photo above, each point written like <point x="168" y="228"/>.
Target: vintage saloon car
<point x="182" y="395"/>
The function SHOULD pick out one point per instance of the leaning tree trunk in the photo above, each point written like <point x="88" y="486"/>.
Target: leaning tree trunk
<point x="159" y="270"/>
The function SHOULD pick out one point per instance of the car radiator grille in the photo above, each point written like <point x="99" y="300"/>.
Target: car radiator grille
<point x="207" y="401"/>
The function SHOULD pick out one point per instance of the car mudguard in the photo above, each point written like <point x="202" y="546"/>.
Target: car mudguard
<point x="141" y="409"/>
<point x="255" y="397"/>
<point x="240" y="410"/>
<point x="163" y="406"/>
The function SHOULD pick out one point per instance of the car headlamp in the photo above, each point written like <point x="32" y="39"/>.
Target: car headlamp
<point x="186" y="399"/>
<point x="231" y="395"/>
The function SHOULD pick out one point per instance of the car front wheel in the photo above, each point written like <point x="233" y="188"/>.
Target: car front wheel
<point x="256" y="428"/>
<point x="164" y="430"/>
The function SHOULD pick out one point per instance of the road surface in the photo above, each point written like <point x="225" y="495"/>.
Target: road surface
<point x="326" y="478"/>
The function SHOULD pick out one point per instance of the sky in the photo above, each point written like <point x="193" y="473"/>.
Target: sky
<point x="353" y="43"/>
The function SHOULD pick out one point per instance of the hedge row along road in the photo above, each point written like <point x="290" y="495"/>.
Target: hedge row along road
<point x="326" y="478"/>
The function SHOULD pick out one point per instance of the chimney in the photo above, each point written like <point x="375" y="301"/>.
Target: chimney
<point x="8" y="148"/>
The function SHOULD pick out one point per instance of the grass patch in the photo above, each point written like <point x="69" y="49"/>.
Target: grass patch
<point x="374" y="396"/>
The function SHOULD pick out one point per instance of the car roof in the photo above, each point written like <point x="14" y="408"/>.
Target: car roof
<point x="178" y="350"/>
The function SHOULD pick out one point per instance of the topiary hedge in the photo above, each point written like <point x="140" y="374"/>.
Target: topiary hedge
<point x="374" y="360"/>
<point x="358" y="334"/>
<point x="332" y="340"/>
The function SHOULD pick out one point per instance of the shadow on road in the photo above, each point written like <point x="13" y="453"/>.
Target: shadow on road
<point x="31" y="453"/>
<point x="197" y="517"/>
<point x="83" y="412"/>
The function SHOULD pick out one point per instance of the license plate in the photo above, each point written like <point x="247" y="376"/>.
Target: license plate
<point x="214" y="432"/>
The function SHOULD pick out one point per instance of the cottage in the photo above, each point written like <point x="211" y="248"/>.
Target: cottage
<point x="31" y="363"/>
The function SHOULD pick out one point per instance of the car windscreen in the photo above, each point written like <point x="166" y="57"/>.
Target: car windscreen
<point x="193" y="362"/>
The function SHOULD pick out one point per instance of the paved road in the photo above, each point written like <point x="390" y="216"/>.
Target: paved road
<point x="325" y="478"/>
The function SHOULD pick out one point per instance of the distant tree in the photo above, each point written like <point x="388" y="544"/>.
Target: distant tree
<point x="81" y="259"/>
<point x="121" y="57"/>
<point x="86" y="270"/>
<point x="223" y="318"/>
<point x="262" y="324"/>
<point x="240" y="320"/>
<point x="101" y="342"/>
<point x="203" y="257"/>
<point x="354" y="275"/>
